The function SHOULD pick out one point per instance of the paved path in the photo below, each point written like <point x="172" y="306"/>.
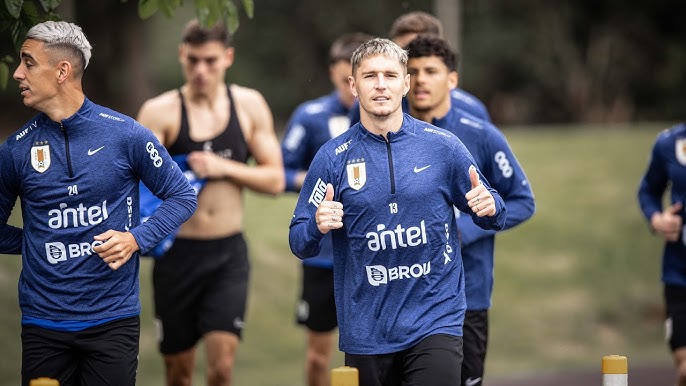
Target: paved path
<point x="647" y="375"/>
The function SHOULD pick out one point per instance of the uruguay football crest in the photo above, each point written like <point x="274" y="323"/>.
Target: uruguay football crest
<point x="357" y="173"/>
<point x="40" y="156"/>
<point x="681" y="151"/>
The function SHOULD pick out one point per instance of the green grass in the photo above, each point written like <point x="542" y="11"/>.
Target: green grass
<point x="579" y="281"/>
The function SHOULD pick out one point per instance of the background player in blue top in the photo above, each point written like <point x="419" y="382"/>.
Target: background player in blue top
<point x="314" y="123"/>
<point x="667" y="167"/>
<point x="385" y="190"/>
<point x="76" y="168"/>
<point x="433" y="74"/>
<point x="407" y="27"/>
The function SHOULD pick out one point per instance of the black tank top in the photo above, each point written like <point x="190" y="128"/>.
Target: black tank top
<point x="229" y="144"/>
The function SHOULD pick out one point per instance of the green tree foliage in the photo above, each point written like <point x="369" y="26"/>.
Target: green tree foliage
<point x="209" y="12"/>
<point x="18" y="16"/>
<point x="529" y="61"/>
<point x="578" y="61"/>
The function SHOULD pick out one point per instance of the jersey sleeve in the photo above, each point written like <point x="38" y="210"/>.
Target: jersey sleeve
<point x="304" y="237"/>
<point x="294" y="149"/>
<point x="166" y="181"/>
<point x="654" y="182"/>
<point x="10" y="236"/>
<point x="469" y="103"/>
<point x="506" y="176"/>
<point x="460" y="184"/>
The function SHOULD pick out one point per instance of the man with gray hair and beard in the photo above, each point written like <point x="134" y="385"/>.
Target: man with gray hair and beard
<point x="76" y="167"/>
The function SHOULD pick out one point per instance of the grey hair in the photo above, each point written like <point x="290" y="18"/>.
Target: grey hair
<point x="378" y="46"/>
<point x="62" y="35"/>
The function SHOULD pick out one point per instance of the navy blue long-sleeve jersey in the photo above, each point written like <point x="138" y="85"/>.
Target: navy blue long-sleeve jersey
<point x="498" y="163"/>
<point x="469" y="104"/>
<point x="398" y="274"/>
<point x="667" y="165"/>
<point x="76" y="179"/>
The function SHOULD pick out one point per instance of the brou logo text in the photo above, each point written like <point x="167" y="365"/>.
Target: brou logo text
<point x="378" y="274"/>
<point x="57" y="251"/>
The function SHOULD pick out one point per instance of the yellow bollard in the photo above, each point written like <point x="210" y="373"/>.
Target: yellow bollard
<point x="42" y="381"/>
<point x="345" y="376"/>
<point x="615" y="371"/>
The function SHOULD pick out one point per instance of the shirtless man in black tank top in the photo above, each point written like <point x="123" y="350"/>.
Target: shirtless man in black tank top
<point x="201" y="282"/>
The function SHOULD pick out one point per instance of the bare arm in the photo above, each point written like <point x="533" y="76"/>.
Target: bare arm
<point x="160" y="115"/>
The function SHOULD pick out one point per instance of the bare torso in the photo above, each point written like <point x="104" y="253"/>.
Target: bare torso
<point x="220" y="202"/>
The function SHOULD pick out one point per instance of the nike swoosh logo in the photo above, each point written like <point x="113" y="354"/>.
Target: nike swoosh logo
<point x="417" y="170"/>
<point x="91" y="152"/>
<point x="472" y="382"/>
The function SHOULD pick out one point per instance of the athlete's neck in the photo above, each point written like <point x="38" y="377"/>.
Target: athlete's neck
<point x="64" y="105"/>
<point x="208" y="97"/>
<point x="429" y="114"/>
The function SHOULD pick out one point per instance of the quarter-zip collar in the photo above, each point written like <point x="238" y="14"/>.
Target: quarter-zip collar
<point x="71" y="123"/>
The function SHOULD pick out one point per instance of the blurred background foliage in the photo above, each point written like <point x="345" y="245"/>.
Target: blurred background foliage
<point x="530" y="61"/>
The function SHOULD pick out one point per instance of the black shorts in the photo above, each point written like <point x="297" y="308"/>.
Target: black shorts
<point x="316" y="308"/>
<point x="475" y="337"/>
<point x="675" y="320"/>
<point x="200" y="286"/>
<point x="100" y="355"/>
<point x="435" y="361"/>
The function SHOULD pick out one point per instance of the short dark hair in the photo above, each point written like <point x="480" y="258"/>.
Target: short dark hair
<point x="195" y="34"/>
<point x="342" y="48"/>
<point x="416" y="22"/>
<point x="428" y="45"/>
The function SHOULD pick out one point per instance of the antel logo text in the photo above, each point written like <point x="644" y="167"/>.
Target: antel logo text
<point x="396" y="238"/>
<point x="65" y="217"/>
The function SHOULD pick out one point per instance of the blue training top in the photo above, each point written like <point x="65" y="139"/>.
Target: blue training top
<point x="76" y="179"/>
<point x="313" y="123"/>
<point x="468" y="103"/>
<point x="149" y="204"/>
<point x="667" y="165"/>
<point x="398" y="275"/>
<point x="502" y="170"/>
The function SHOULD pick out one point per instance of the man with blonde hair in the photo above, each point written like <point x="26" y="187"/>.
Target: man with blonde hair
<point x="385" y="190"/>
<point x="314" y="123"/>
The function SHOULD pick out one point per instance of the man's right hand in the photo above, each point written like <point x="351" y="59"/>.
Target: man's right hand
<point x="668" y="223"/>
<point x="329" y="213"/>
